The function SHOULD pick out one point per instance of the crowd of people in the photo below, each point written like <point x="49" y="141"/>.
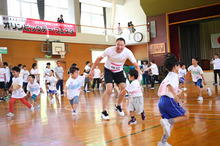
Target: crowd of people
<point x="19" y="82"/>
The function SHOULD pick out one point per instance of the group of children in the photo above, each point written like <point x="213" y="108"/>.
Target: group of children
<point x="169" y="89"/>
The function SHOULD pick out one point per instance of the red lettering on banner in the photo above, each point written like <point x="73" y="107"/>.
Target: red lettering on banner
<point x="35" y="26"/>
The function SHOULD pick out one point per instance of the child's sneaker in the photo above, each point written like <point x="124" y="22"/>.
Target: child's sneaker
<point x="105" y="115"/>
<point x="74" y="113"/>
<point x="119" y="110"/>
<point x="200" y="98"/>
<point x="151" y="88"/>
<point x="143" y="116"/>
<point x="37" y="107"/>
<point x="163" y="144"/>
<point x="209" y="91"/>
<point x="52" y="101"/>
<point x="10" y="114"/>
<point x="166" y="126"/>
<point x="132" y="121"/>
<point x="32" y="108"/>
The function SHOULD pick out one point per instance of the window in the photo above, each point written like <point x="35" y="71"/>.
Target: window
<point x="96" y="54"/>
<point x="54" y="8"/>
<point x="92" y="16"/>
<point x="23" y="8"/>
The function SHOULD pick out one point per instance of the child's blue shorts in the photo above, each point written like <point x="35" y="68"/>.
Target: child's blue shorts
<point x="33" y="97"/>
<point x="182" y="79"/>
<point x="199" y="83"/>
<point x="169" y="108"/>
<point x="52" y="91"/>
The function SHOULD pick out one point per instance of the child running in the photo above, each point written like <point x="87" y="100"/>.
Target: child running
<point x="34" y="89"/>
<point x="136" y="102"/>
<point x="197" y="77"/>
<point x="73" y="87"/>
<point x="52" y="88"/>
<point x="169" y="107"/>
<point x="182" y="76"/>
<point x="17" y="92"/>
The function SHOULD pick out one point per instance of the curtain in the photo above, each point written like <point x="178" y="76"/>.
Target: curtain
<point x="206" y="29"/>
<point x="190" y="42"/>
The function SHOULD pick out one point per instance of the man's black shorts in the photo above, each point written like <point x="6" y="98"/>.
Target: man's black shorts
<point x="118" y="77"/>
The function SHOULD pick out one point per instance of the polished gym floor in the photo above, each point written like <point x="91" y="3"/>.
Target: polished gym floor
<point x="55" y="125"/>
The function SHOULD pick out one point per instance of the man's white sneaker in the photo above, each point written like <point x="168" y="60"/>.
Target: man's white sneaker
<point x="166" y="126"/>
<point x="10" y="114"/>
<point x="209" y="91"/>
<point x="119" y="110"/>
<point x="163" y="144"/>
<point x="200" y="98"/>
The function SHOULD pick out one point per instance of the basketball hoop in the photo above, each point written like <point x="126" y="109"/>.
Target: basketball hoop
<point x="62" y="53"/>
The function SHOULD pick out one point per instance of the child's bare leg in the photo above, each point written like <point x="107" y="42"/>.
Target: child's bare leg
<point x="199" y="91"/>
<point x="51" y="96"/>
<point x="132" y="113"/>
<point x="32" y="102"/>
<point x="75" y="105"/>
<point x="172" y="121"/>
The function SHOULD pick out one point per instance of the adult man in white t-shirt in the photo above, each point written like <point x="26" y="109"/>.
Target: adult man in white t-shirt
<point x="154" y="73"/>
<point x="216" y="66"/>
<point x="113" y="70"/>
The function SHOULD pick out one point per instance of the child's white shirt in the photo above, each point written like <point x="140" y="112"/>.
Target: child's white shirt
<point x="33" y="88"/>
<point x="47" y="71"/>
<point x="171" y="79"/>
<point x="74" y="86"/>
<point x="21" y="73"/>
<point x="134" y="88"/>
<point x="97" y="73"/>
<point x="26" y="74"/>
<point x="35" y="71"/>
<point x="52" y="81"/>
<point x="182" y="72"/>
<point x="2" y="75"/>
<point x="196" y="72"/>
<point x="20" y="92"/>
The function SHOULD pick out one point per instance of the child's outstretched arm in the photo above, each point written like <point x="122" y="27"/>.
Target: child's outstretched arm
<point x="170" y="88"/>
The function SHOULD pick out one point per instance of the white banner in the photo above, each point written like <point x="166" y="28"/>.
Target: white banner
<point x="14" y="24"/>
<point x="215" y="40"/>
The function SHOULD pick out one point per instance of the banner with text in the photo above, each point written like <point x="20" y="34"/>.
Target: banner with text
<point x="35" y="26"/>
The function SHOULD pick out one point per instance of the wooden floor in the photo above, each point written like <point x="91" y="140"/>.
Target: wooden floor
<point x="54" y="124"/>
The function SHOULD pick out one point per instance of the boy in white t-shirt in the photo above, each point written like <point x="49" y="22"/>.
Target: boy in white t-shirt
<point x="170" y="110"/>
<point x="17" y="92"/>
<point x="96" y="78"/>
<point x="197" y="77"/>
<point x="34" y="89"/>
<point x="2" y="79"/>
<point x="52" y="88"/>
<point x="34" y="71"/>
<point x="182" y="76"/>
<point x="136" y="102"/>
<point x="25" y="78"/>
<point x="73" y="87"/>
<point x="47" y="75"/>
